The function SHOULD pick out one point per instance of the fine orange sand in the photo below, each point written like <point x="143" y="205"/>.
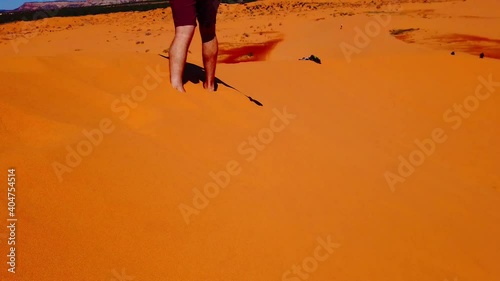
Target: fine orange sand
<point x="108" y="156"/>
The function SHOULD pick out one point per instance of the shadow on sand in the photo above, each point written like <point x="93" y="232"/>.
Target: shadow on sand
<point x="196" y="74"/>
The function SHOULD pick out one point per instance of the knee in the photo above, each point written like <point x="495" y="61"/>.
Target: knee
<point x="207" y="33"/>
<point x="184" y="32"/>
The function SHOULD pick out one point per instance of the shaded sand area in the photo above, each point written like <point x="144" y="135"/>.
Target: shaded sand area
<point x="382" y="163"/>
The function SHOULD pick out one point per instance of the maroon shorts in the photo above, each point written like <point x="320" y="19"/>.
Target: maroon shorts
<point x="186" y="12"/>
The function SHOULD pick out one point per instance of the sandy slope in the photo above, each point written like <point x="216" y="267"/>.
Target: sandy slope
<point x="114" y="214"/>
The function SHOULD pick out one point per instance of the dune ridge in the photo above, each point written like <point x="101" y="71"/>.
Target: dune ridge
<point x="110" y="160"/>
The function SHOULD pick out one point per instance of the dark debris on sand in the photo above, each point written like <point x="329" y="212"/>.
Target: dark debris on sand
<point x="312" y="58"/>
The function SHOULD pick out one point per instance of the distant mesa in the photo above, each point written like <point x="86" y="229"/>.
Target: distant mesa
<point x="52" y="5"/>
<point x="33" y="6"/>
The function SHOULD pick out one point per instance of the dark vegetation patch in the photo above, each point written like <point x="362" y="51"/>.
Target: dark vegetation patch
<point x="13" y="16"/>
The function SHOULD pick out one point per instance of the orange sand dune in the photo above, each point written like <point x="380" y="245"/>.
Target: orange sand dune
<point x="379" y="164"/>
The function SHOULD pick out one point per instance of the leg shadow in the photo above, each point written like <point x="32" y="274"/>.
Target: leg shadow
<point x="196" y="74"/>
